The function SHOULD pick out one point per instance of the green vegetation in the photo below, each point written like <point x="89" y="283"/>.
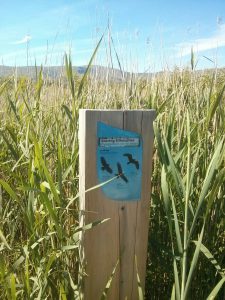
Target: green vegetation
<point x="39" y="232"/>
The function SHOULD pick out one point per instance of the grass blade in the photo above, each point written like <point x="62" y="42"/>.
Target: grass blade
<point x="9" y="190"/>
<point x="140" y="290"/>
<point x="108" y="285"/>
<point x="4" y="241"/>
<point x="213" y="166"/>
<point x="13" y="286"/>
<point x="193" y="264"/>
<point x="216" y="289"/>
<point x="211" y="258"/>
<point x="88" y="69"/>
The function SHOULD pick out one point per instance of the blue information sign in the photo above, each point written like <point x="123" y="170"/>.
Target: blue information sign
<point x="119" y="156"/>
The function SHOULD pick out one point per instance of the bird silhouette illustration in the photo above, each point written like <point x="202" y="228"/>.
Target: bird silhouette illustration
<point x="120" y="173"/>
<point x="105" y="165"/>
<point x="131" y="160"/>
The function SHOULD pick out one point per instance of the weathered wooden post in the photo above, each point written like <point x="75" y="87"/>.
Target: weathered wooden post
<point x="115" y="144"/>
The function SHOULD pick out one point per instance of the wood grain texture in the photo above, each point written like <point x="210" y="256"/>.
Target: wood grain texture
<point x="126" y="233"/>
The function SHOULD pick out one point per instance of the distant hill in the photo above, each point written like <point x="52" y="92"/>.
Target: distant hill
<point x="30" y="71"/>
<point x="100" y="72"/>
<point x="54" y="72"/>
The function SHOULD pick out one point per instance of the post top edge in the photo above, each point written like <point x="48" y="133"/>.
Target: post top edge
<point x="150" y="112"/>
<point x="118" y="110"/>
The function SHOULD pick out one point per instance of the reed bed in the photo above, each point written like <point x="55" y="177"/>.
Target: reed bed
<point x="39" y="206"/>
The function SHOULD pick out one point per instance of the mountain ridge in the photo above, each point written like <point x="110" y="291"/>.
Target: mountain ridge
<point x="101" y="72"/>
<point x="54" y="72"/>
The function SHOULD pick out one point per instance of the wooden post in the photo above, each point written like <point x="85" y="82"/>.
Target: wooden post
<point x="125" y="235"/>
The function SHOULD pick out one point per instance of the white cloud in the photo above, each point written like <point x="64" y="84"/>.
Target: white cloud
<point x="217" y="40"/>
<point x="24" y="40"/>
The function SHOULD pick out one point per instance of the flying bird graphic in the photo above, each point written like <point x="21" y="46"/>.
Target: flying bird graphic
<point x="105" y="166"/>
<point x="131" y="160"/>
<point x="120" y="173"/>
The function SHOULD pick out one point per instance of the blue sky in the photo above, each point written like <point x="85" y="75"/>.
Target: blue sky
<point x="147" y="35"/>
